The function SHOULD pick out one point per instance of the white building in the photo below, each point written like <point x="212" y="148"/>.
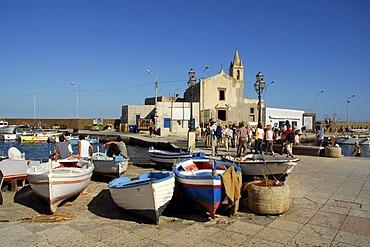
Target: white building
<point x="220" y="97"/>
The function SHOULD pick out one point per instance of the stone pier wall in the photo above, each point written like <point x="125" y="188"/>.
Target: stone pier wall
<point x="62" y="123"/>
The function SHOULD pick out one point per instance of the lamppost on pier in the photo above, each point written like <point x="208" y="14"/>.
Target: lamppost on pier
<point x="266" y="92"/>
<point x="316" y="102"/>
<point x="73" y="84"/>
<point x="202" y="93"/>
<point x="348" y="100"/>
<point x="191" y="133"/>
<point x="34" y="101"/>
<point x="155" y="99"/>
<point x="258" y="87"/>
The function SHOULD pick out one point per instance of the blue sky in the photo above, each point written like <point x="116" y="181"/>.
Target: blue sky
<point x="105" y="47"/>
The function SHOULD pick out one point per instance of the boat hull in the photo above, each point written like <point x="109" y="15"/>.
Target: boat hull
<point x="259" y="165"/>
<point x="60" y="183"/>
<point x="166" y="157"/>
<point x="145" y="196"/>
<point x="109" y="166"/>
<point x="16" y="169"/>
<point x="201" y="185"/>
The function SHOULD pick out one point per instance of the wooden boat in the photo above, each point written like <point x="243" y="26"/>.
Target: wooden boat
<point x="148" y="195"/>
<point x="168" y="158"/>
<point x="14" y="166"/>
<point x="109" y="166"/>
<point x="28" y="136"/>
<point x="12" y="136"/>
<point x="56" y="181"/>
<point x="47" y="136"/>
<point x="256" y="165"/>
<point x="3" y="124"/>
<point x="200" y="179"/>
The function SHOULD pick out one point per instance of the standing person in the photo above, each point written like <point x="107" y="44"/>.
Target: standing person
<point x="62" y="149"/>
<point x="320" y="136"/>
<point x="297" y="136"/>
<point x="249" y="139"/>
<point x="260" y="135"/>
<point x="288" y="138"/>
<point x="242" y="140"/>
<point x="85" y="152"/>
<point x="150" y="131"/>
<point x="208" y="136"/>
<point x="197" y="133"/>
<point x="228" y="135"/>
<point x="214" y="139"/>
<point x="357" y="149"/>
<point x="270" y="137"/>
<point x="85" y="149"/>
<point x="117" y="147"/>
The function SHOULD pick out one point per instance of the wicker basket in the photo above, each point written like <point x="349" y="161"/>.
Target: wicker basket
<point x="268" y="200"/>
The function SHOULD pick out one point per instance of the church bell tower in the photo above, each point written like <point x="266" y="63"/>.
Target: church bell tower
<point x="236" y="69"/>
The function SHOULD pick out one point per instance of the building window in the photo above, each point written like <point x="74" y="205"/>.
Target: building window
<point x="221" y="114"/>
<point x="238" y="74"/>
<point x="222" y="94"/>
<point x="251" y="118"/>
<point x="252" y="110"/>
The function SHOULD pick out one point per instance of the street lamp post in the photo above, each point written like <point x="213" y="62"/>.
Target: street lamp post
<point x="155" y="100"/>
<point x="266" y="92"/>
<point x="191" y="133"/>
<point x="316" y="101"/>
<point x="73" y="84"/>
<point x="258" y="87"/>
<point x="34" y="101"/>
<point x="348" y="100"/>
<point x="202" y="91"/>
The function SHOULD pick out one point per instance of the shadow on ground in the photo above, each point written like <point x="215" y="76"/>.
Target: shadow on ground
<point x="28" y="198"/>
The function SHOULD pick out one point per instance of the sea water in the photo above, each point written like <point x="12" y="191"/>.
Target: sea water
<point x="42" y="150"/>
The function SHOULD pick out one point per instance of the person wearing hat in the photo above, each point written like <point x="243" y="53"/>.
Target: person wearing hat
<point x="357" y="149"/>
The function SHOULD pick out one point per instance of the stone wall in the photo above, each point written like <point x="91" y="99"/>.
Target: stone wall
<point x="62" y="123"/>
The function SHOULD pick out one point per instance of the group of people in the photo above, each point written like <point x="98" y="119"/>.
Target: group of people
<point x="241" y="137"/>
<point x="63" y="149"/>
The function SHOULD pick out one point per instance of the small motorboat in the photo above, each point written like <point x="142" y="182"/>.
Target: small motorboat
<point x="148" y="195"/>
<point x="167" y="158"/>
<point x="109" y="166"/>
<point x="259" y="165"/>
<point x="200" y="179"/>
<point x="56" y="181"/>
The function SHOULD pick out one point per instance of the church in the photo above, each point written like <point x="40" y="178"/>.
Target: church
<point x="220" y="97"/>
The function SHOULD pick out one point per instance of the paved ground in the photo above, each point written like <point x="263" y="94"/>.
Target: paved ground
<point x="330" y="206"/>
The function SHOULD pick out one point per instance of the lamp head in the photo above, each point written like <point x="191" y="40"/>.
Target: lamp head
<point x="192" y="79"/>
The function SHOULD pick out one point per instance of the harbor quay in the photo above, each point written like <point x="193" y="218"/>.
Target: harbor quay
<point x="329" y="206"/>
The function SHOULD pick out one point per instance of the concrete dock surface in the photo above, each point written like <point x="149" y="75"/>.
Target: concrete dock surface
<point x="330" y="206"/>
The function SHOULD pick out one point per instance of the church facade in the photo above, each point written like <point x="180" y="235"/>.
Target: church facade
<point x="221" y="97"/>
